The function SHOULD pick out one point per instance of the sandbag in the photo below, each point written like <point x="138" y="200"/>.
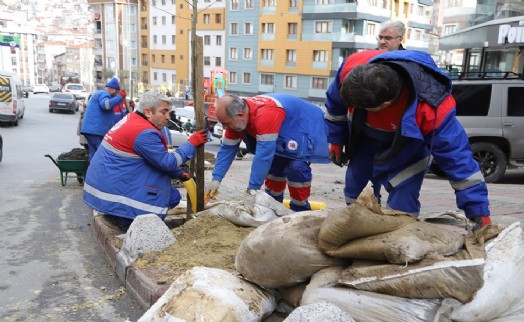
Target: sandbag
<point x="355" y="221"/>
<point x="211" y="294"/>
<point x="252" y="212"/>
<point x="500" y="297"/>
<point x="458" y="276"/>
<point x="284" y="252"/>
<point x="407" y="244"/>
<point x="292" y="295"/>
<point x="366" y="306"/>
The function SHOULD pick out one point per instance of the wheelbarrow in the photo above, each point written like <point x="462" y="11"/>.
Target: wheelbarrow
<point x="79" y="167"/>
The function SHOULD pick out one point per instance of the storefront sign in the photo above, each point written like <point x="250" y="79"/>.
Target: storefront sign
<point x="511" y="34"/>
<point x="11" y="41"/>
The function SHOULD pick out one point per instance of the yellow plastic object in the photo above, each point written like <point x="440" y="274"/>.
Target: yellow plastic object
<point x="315" y="205"/>
<point x="192" y="193"/>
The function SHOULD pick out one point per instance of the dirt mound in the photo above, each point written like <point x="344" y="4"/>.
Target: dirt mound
<point x="75" y="154"/>
<point x="207" y="240"/>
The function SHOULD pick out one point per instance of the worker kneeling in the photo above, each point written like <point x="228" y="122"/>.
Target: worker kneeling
<point x="131" y="172"/>
<point x="285" y="133"/>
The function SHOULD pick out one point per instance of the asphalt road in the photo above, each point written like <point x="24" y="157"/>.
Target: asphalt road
<point x="52" y="267"/>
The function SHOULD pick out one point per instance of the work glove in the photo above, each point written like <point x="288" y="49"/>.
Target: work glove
<point x="184" y="176"/>
<point x="211" y="190"/>
<point x="336" y="155"/>
<point x="198" y="138"/>
<point x="123" y="93"/>
<point x="480" y="222"/>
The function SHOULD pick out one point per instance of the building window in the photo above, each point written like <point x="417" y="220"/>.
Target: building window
<point x="292" y="28"/>
<point x="154" y="21"/>
<point x="218" y="40"/>
<point x="163" y="20"/>
<point x="267" y="79"/>
<point x="371" y="29"/>
<point x="173" y="79"/>
<point x="153" y="58"/>
<point x="163" y="59"/>
<point x="207" y="61"/>
<point x="232" y="77"/>
<point x="248" y="28"/>
<point x="155" y="77"/>
<point x="267" y="54"/>
<point x="218" y="18"/>
<point x="246" y="78"/>
<point x="292" y="3"/>
<point x="325" y="1"/>
<point x="234" y="5"/>
<point x="268" y="3"/>
<point x="268" y="28"/>
<point x="249" y="4"/>
<point x="164" y="39"/>
<point x="206" y="18"/>
<point x="248" y="53"/>
<point x="154" y="39"/>
<point x="172" y="59"/>
<point x="319" y="82"/>
<point x="218" y="61"/>
<point x="291" y="55"/>
<point x="233" y="53"/>
<point x="207" y="40"/>
<point x="290" y="82"/>
<point x="164" y="77"/>
<point x="323" y="27"/>
<point x="173" y="39"/>
<point x="234" y="28"/>
<point x="320" y="55"/>
<point x="173" y="19"/>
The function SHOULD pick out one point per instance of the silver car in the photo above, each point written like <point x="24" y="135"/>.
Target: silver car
<point x="492" y="113"/>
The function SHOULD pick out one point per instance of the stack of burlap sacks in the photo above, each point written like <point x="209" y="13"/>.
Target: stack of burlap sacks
<point x="361" y="262"/>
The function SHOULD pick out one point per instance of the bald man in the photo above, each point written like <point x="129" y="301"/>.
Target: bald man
<point x="285" y="133"/>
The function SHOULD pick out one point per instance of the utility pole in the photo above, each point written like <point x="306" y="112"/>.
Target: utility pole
<point x="197" y="71"/>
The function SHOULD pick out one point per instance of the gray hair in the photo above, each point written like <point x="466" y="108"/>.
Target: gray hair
<point x="236" y="106"/>
<point x="151" y="100"/>
<point x="390" y="24"/>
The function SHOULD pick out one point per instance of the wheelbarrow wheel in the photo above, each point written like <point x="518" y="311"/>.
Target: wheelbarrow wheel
<point x="80" y="177"/>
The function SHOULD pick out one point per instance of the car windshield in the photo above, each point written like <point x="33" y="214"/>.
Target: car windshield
<point x="75" y="87"/>
<point x="185" y="113"/>
<point x="62" y="96"/>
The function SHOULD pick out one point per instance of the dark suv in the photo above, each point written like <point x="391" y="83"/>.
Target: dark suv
<point x="492" y="112"/>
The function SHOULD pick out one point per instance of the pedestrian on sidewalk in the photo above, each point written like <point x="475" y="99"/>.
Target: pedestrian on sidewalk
<point x="99" y="116"/>
<point x="401" y="116"/>
<point x="285" y="133"/>
<point x="131" y="174"/>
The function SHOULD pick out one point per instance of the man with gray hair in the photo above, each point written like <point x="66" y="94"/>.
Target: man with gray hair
<point x="391" y="35"/>
<point x="131" y="173"/>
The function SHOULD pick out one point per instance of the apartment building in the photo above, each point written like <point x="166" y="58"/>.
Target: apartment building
<point x="116" y="38"/>
<point x="297" y="46"/>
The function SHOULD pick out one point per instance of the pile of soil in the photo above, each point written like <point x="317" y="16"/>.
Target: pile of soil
<point x="75" y="154"/>
<point x="207" y="240"/>
<point x="210" y="157"/>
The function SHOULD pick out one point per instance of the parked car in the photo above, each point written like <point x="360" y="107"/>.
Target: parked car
<point x="218" y="130"/>
<point x="76" y="89"/>
<point x="27" y="88"/>
<point x="492" y="114"/>
<point x="55" y="87"/>
<point x="40" y="88"/>
<point x="63" y="102"/>
<point x="1" y="147"/>
<point x="186" y="113"/>
<point x="12" y="102"/>
<point x="178" y="137"/>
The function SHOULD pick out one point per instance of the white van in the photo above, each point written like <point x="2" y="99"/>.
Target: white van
<point x="12" y="103"/>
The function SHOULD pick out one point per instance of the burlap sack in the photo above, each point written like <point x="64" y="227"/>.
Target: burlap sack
<point x="355" y="221"/>
<point x="284" y="252"/>
<point x="211" y="294"/>
<point x="407" y="244"/>
<point x="366" y="306"/>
